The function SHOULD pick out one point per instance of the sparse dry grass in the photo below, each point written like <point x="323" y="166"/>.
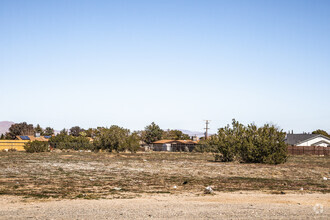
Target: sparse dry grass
<point x="96" y="175"/>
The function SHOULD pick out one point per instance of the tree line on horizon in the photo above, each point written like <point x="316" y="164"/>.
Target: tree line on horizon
<point x="235" y="142"/>
<point x="150" y="134"/>
<point x="114" y="138"/>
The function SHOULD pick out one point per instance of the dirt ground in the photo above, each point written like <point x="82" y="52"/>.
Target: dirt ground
<point x="104" y="175"/>
<point x="234" y="205"/>
<point x="85" y="185"/>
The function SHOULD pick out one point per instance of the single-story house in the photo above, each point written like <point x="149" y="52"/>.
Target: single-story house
<point x="307" y="140"/>
<point x="20" y="141"/>
<point x="174" y="145"/>
<point x="12" y="144"/>
<point x="32" y="138"/>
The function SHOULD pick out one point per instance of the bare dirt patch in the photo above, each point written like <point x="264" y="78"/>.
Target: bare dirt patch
<point x="234" y="205"/>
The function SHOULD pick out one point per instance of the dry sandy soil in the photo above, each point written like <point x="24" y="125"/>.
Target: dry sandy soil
<point x="82" y="185"/>
<point x="244" y="205"/>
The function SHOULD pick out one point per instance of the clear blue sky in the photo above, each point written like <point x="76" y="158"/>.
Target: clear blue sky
<point x="98" y="63"/>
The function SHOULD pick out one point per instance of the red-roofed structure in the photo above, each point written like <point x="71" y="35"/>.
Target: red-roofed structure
<point x="174" y="145"/>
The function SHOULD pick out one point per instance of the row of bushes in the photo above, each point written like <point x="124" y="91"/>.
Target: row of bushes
<point x="110" y="139"/>
<point x="248" y="144"/>
<point x="64" y="141"/>
<point x="36" y="146"/>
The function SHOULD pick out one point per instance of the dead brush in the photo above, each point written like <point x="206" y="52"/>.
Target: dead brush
<point x="67" y="175"/>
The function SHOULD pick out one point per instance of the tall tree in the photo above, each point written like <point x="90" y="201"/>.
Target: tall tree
<point x="20" y="129"/>
<point x="48" y="131"/>
<point x="141" y="134"/>
<point x="152" y="133"/>
<point x="91" y="132"/>
<point x="322" y="132"/>
<point x="38" y="130"/>
<point x="175" y="135"/>
<point x="2" y="137"/>
<point x="116" y="139"/>
<point x="75" y="131"/>
<point x="64" y="132"/>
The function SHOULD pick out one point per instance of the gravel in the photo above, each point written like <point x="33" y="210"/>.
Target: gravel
<point x="244" y="205"/>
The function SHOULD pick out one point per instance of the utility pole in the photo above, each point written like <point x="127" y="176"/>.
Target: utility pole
<point x="206" y="128"/>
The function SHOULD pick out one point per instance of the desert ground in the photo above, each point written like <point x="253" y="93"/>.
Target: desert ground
<point x="234" y="205"/>
<point x="86" y="185"/>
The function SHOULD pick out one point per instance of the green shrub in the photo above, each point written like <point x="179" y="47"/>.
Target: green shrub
<point x="36" y="146"/>
<point x="64" y="142"/>
<point x="116" y="139"/>
<point x="264" y="145"/>
<point x="133" y="143"/>
<point x="205" y="146"/>
<point x="248" y="144"/>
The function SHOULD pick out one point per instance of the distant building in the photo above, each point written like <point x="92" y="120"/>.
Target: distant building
<point x="20" y="141"/>
<point x="195" y="138"/>
<point x="144" y="146"/>
<point x="32" y="138"/>
<point x="174" y="145"/>
<point x="18" y="145"/>
<point x="307" y="140"/>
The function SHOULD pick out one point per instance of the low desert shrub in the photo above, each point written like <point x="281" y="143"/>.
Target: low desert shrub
<point x="248" y="144"/>
<point x="36" y="146"/>
<point x="66" y="142"/>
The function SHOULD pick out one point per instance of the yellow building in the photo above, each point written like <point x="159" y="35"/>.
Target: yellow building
<point x="12" y="144"/>
<point x="33" y="138"/>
